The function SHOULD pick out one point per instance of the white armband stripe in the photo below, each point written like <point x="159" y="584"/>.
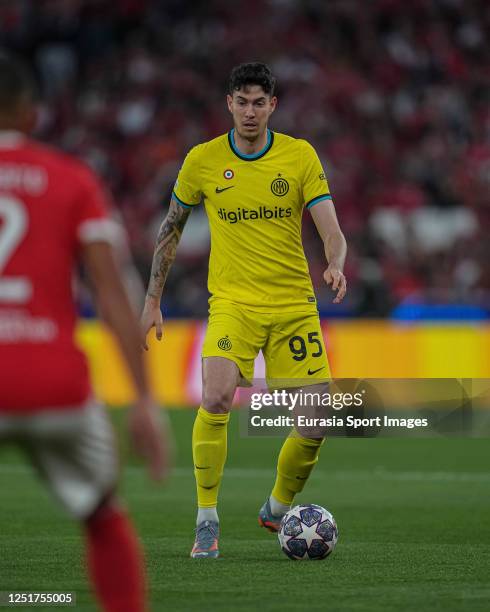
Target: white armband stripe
<point x="99" y="230"/>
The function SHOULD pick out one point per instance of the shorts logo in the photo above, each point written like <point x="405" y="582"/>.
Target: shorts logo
<point x="279" y="187"/>
<point x="228" y="174"/>
<point x="322" y="176"/>
<point x="311" y="372"/>
<point x="224" y="344"/>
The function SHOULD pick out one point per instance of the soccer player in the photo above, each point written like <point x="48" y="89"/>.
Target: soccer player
<point x="53" y="216"/>
<point x="255" y="184"/>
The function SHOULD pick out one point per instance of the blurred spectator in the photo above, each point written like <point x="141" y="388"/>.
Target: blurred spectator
<point x="393" y="94"/>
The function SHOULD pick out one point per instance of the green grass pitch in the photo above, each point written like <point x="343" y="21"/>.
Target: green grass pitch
<point x="413" y="515"/>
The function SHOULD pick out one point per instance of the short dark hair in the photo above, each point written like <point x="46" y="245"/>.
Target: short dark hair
<point x="252" y="73"/>
<point x="16" y="82"/>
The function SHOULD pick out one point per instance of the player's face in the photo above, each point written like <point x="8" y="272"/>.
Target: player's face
<point x="251" y="108"/>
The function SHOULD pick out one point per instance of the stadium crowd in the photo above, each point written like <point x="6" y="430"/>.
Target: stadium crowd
<point x="394" y="95"/>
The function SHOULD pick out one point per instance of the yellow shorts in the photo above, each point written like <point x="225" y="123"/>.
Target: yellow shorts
<point x="291" y="342"/>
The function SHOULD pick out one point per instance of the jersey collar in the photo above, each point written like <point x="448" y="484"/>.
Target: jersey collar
<point x="251" y="156"/>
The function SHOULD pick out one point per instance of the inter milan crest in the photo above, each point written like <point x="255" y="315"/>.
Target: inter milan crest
<point x="279" y="186"/>
<point x="224" y="344"/>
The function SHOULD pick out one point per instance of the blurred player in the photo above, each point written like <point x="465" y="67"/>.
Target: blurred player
<point x="52" y="216"/>
<point x="255" y="184"/>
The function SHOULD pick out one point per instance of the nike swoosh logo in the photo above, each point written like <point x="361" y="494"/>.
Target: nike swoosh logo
<point x="311" y="372"/>
<point x="206" y="467"/>
<point x="301" y="478"/>
<point x="220" y="190"/>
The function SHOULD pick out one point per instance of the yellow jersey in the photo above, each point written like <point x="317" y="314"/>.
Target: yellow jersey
<point x="254" y="204"/>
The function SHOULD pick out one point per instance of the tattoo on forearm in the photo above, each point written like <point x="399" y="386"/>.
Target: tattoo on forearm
<point x="166" y="247"/>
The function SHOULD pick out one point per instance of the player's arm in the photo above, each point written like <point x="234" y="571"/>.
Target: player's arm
<point x="116" y="309"/>
<point x="125" y="264"/>
<point x="328" y="227"/>
<point x="163" y="257"/>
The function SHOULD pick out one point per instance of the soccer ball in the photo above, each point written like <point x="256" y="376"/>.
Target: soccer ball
<point x="308" y="532"/>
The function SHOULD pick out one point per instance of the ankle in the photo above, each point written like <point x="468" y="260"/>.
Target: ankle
<point x="207" y="514"/>
<point x="278" y="508"/>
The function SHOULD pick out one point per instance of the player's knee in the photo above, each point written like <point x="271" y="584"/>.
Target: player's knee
<point x="311" y="422"/>
<point x="217" y="401"/>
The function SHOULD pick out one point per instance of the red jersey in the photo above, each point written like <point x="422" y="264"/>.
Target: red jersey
<point x="50" y="204"/>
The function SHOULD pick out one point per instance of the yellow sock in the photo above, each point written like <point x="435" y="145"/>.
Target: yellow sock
<point x="297" y="458"/>
<point x="209" y="443"/>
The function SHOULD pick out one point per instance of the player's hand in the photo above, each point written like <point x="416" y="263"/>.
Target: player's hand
<point x="335" y="277"/>
<point x="151" y="317"/>
<point x="151" y="437"/>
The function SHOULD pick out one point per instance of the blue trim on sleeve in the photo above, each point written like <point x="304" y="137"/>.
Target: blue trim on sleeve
<point x="179" y="201"/>
<point x="320" y="198"/>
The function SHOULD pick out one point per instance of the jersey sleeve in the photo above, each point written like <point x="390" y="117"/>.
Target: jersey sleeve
<point x="315" y="186"/>
<point x="187" y="189"/>
<point x="92" y="211"/>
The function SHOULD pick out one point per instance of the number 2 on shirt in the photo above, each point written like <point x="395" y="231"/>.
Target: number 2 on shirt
<point x="13" y="229"/>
